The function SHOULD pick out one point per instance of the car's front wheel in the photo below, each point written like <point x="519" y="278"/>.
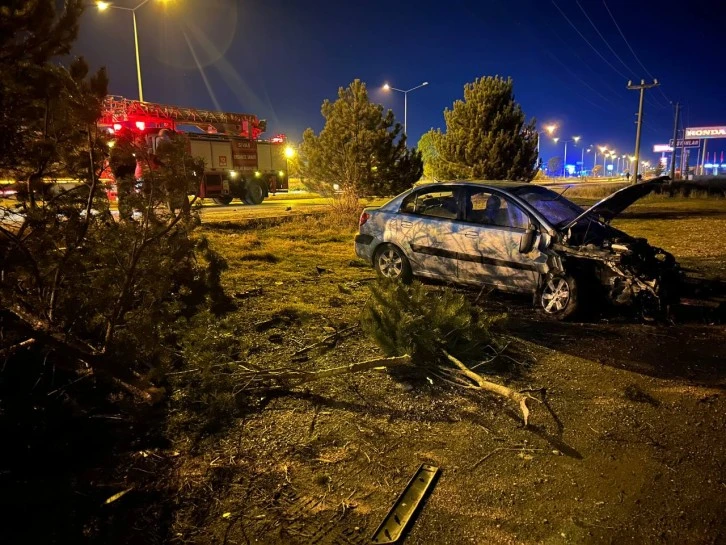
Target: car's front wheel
<point x="390" y="262"/>
<point x="558" y="296"/>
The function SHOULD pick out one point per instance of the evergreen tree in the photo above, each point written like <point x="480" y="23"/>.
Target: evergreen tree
<point x="89" y="291"/>
<point x="361" y="148"/>
<point x="487" y="136"/>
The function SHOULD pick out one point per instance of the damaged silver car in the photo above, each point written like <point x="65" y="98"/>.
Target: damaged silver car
<point x="520" y="237"/>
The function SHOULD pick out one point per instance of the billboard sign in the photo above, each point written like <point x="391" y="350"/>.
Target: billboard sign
<point x="706" y="132"/>
<point x="681" y="143"/>
<point x="662" y="148"/>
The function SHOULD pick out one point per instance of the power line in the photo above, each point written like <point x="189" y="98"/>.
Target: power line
<point x="627" y="67"/>
<point x="588" y="42"/>
<point x="631" y="49"/>
<point x="604" y="40"/>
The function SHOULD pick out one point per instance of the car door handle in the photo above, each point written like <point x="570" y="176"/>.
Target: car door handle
<point x="471" y="234"/>
<point x="406" y="223"/>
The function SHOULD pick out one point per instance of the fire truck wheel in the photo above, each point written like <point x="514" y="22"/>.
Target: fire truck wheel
<point x="255" y="194"/>
<point x="225" y="200"/>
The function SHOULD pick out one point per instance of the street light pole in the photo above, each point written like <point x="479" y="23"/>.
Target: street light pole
<point x="105" y="5"/>
<point x="387" y="87"/>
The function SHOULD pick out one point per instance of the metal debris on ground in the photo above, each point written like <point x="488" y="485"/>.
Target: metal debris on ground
<point x="393" y="526"/>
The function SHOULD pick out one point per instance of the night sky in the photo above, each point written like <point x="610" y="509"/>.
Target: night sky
<point x="279" y="59"/>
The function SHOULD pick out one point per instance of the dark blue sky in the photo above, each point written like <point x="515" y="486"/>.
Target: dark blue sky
<point x="279" y="59"/>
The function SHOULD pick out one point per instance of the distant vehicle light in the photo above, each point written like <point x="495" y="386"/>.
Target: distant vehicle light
<point x="257" y="174"/>
<point x="281" y="174"/>
<point x="140" y="125"/>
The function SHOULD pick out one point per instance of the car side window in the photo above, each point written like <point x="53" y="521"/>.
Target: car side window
<point x="435" y="202"/>
<point x="485" y="208"/>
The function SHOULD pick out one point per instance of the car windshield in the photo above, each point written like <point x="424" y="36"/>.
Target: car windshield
<point x="555" y="208"/>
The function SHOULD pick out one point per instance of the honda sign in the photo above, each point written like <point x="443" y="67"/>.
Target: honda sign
<point x="706" y="132"/>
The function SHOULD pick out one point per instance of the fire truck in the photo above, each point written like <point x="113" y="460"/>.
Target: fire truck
<point x="237" y="163"/>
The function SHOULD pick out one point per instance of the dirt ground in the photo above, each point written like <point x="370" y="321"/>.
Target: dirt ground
<point x="627" y="445"/>
<point x="626" y="448"/>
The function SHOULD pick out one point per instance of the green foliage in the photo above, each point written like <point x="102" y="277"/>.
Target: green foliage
<point x="422" y="322"/>
<point x="91" y="289"/>
<point x="554" y="166"/>
<point x="204" y="399"/>
<point x="360" y="148"/>
<point x="486" y="136"/>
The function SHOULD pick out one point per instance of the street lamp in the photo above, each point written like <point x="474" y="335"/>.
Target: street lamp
<point x="574" y="139"/>
<point x="387" y="87"/>
<point x="549" y="129"/>
<point x="582" y="161"/>
<point x="103" y="6"/>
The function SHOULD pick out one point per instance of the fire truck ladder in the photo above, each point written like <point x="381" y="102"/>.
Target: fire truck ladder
<point x="117" y="109"/>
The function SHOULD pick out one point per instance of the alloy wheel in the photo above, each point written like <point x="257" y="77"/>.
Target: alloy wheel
<point x="390" y="263"/>
<point x="555" y="295"/>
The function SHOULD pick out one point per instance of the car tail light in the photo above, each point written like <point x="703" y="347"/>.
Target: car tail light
<point x="363" y="218"/>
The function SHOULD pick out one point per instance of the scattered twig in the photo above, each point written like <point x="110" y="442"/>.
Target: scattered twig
<point x="324" y="340"/>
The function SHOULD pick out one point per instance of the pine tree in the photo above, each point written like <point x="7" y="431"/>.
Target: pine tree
<point x="361" y="148"/>
<point x="486" y="136"/>
<point x="89" y="291"/>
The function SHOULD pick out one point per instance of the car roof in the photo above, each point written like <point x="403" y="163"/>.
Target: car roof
<point x="494" y="184"/>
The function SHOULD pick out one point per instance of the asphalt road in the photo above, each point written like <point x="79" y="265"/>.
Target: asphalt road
<point x="281" y="205"/>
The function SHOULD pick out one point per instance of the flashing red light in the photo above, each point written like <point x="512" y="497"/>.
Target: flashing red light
<point x="117" y="126"/>
<point x="363" y="218"/>
<point x="140" y="125"/>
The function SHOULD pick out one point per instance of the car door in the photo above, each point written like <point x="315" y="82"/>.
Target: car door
<point x="427" y="229"/>
<point x="494" y="227"/>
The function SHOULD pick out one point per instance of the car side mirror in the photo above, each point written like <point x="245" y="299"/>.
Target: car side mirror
<point x="526" y="243"/>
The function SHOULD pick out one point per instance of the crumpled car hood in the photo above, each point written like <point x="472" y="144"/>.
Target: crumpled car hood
<point x="614" y="204"/>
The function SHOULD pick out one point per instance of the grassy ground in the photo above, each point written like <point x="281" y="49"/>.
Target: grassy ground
<point x="628" y="447"/>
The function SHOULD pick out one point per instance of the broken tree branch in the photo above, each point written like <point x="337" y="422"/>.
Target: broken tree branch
<point x="295" y="377"/>
<point x="493" y="387"/>
<point x="10" y="350"/>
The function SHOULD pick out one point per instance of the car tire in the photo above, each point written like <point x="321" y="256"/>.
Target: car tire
<point x="390" y="262"/>
<point x="224" y="200"/>
<point x="254" y="193"/>
<point x="558" y="296"/>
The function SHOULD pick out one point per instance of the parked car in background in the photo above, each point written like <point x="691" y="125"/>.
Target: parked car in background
<point x="520" y="237"/>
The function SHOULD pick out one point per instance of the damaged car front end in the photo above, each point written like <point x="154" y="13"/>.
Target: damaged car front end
<point x="626" y="270"/>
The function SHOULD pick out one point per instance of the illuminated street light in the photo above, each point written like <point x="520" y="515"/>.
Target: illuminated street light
<point x="103" y="6"/>
<point x="289" y="152"/>
<point x="387" y="87"/>
<point x="548" y="129"/>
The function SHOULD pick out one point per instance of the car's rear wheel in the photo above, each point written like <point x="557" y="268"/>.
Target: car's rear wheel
<point x="558" y="296"/>
<point x="390" y="262"/>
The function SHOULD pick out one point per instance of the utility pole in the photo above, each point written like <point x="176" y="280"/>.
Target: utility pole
<point x="642" y="87"/>
<point x="675" y="142"/>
